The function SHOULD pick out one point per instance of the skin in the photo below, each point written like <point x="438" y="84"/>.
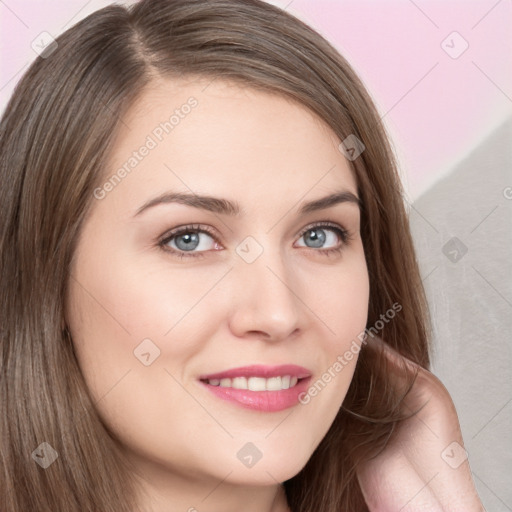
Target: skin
<point x="293" y="304"/>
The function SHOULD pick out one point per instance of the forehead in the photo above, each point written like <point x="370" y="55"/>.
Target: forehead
<point x="215" y="136"/>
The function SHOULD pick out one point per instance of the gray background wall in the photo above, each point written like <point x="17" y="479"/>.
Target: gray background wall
<point x="469" y="287"/>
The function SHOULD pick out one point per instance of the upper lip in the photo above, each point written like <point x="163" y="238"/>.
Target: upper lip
<point x="258" y="370"/>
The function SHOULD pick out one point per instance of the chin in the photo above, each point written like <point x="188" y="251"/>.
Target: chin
<point x="275" y="469"/>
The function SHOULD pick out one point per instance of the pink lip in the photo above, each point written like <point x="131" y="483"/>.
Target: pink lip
<point x="259" y="370"/>
<point x="266" y="401"/>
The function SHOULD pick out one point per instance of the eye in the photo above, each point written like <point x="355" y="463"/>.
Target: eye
<point x="183" y="241"/>
<point x="325" y="233"/>
<point x="192" y="240"/>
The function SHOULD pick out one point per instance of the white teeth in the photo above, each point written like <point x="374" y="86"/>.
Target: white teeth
<point x="239" y="383"/>
<point x="274" y="384"/>
<point x="256" y="383"/>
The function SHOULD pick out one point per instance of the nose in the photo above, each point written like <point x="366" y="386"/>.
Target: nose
<point x="266" y="299"/>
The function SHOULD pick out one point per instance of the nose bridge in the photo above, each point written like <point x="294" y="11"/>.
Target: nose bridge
<point x="266" y="301"/>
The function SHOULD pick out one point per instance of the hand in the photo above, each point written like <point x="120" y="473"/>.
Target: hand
<point x="410" y="475"/>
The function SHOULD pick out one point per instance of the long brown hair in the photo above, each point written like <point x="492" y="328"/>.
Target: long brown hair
<point x="55" y="138"/>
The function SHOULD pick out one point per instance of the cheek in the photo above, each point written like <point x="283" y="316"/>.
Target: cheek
<point x="342" y="303"/>
<point x="153" y="295"/>
<point x="343" y="309"/>
<point x="118" y="307"/>
<point x="120" y="310"/>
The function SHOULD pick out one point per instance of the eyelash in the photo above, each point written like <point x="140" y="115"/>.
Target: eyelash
<point x="197" y="228"/>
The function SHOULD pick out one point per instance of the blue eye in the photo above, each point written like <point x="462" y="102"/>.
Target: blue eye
<point x="318" y="237"/>
<point x="184" y="241"/>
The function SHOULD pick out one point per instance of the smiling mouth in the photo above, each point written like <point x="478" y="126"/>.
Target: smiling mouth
<point x="255" y="383"/>
<point x="264" y="388"/>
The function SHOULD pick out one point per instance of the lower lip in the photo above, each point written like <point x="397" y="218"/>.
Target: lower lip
<point x="266" y="401"/>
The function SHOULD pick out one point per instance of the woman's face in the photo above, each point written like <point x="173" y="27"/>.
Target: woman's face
<point x="151" y="314"/>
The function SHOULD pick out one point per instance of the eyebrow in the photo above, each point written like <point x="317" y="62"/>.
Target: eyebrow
<point x="232" y="208"/>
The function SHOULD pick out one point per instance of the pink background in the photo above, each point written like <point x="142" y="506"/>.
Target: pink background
<point x="434" y="118"/>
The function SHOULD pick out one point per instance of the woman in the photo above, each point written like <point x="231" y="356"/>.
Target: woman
<point x="210" y="297"/>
